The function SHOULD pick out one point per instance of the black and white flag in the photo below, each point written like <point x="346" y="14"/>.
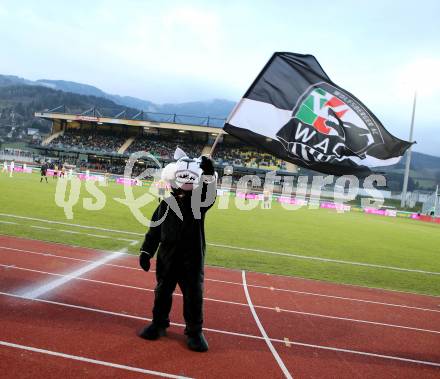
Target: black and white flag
<point x="295" y="112"/>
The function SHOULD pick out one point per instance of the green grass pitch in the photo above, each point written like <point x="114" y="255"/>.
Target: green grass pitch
<point x="351" y="236"/>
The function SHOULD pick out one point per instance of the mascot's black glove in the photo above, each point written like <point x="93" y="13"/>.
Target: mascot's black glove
<point x="144" y="260"/>
<point x="207" y="166"/>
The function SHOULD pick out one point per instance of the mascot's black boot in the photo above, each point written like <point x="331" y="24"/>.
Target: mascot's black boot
<point x="152" y="332"/>
<point x="197" y="342"/>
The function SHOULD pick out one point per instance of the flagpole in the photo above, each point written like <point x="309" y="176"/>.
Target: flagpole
<point x="234" y="110"/>
<point x="215" y="144"/>
<point x="408" y="156"/>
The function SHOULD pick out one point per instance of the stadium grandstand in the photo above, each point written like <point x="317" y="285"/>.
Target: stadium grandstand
<point x="104" y="142"/>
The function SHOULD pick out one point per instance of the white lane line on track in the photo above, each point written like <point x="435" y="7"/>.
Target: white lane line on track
<point x="346" y="285"/>
<point x="347" y="298"/>
<point x="65" y="257"/>
<point x="239" y="283"/>
<point x="329" y="348"/>
<point x="277" y="309"/>
<point x="289" y="255"/>
<point x="89" y="360"/>
<point x="263" y="332"/>
<point x="48" y="287"/>
<point x="350" y="299"/>
<point x="349" y="319"/>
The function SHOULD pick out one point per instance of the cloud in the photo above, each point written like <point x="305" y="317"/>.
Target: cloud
<point x="203" y="25"/>
<point x="3" y="11"/>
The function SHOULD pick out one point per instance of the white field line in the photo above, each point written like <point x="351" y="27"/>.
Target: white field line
<point x="50" y="286"/>
<point x="8" y="222"/>
<point x="263" y="332"/>
<point x="132" y="242"/>
<point x="289" y="255"/>
<point x="88" y="360"/>
<point x="277" y="309"/>
<point x="323" y="259"/>
<point x="237" y="283"/>
<point x="40" y="227"/>
<point x="71" y="224"/>
<point x="329" y="348"/>
<point x="68" y="231"/>
<point x="97" y="235"/>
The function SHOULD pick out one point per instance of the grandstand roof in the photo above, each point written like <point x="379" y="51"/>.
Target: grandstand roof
<point x="143" y="119"/>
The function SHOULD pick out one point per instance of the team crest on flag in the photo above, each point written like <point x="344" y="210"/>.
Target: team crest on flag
<point x="327" y="124"/>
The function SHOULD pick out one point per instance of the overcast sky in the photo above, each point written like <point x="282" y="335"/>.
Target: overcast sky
<point x="178" y="51"/>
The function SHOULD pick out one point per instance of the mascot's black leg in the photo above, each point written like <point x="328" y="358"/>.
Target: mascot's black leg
<point x="163" y="299"/>
<point x="162" y="306"/>
<point x="192" y="291"/>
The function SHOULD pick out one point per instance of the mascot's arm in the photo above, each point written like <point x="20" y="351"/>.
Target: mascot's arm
<point x="151" y="243"/>
<point x="209" y="182"/>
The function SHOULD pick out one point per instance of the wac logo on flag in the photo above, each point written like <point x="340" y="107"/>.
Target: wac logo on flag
<point x="328" y="125"/>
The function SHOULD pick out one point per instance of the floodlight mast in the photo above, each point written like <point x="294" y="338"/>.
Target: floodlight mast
<point x="408" y="154"/>
<point x="436" y="201"/>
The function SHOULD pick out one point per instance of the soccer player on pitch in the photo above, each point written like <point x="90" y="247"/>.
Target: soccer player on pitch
<point x="11" y="168"/>
<point x="43" y="172"/>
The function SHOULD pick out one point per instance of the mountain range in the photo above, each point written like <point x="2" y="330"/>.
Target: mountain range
<point x="214" y="108"/>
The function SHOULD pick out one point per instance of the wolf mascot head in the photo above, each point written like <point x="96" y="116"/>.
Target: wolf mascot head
<point x="187" y="173"/>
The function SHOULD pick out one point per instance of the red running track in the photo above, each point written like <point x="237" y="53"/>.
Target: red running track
<point x="86" y="326"/>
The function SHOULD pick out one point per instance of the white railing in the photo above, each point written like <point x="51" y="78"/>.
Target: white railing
<point x="17" y="158"/>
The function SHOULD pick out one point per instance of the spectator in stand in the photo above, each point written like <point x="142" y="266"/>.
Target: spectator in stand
<point x="86" y="140"/>
<point x="162" y="147"/>
<point x="246" y="157"/>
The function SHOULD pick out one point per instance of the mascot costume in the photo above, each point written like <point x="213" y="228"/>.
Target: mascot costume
<point x="178" y="231"/>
